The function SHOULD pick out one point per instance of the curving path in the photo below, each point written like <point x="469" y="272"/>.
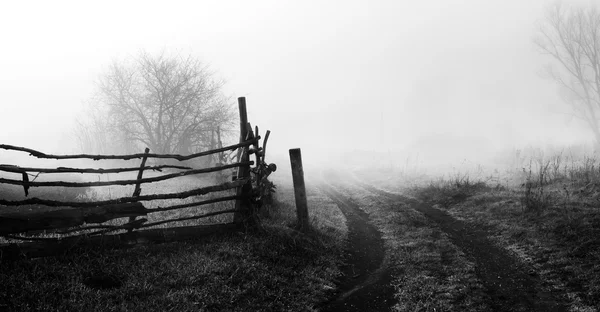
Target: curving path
<point x="366" y="283"/>
<point x="509" y="283"/>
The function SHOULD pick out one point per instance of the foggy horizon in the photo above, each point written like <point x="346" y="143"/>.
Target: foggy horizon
<point x="423" y="155"/>
<point x="330" y="78"/>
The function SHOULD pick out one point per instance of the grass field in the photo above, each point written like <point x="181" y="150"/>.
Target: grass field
<point x="546" y="213"/>
<point x="275" y="269"/>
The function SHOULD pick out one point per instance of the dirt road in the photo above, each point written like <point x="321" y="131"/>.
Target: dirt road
<point x="366" y="286"/>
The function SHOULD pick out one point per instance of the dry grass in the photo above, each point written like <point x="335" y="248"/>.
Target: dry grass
<point x="551" y="220"/>
<point x="431" y="274"/>
<point x="276" y="269"/>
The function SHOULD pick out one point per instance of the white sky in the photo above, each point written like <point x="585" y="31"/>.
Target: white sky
<point x="322" y="75"/>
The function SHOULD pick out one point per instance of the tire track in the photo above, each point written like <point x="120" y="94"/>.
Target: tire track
<point x="506" y="279"/>
<point x="366" y="281"/>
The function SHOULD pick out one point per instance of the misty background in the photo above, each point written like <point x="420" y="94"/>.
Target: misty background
<point x="436" y="80"/>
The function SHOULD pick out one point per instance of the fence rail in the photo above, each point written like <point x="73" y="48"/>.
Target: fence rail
<point x="129" y="199"/>
<point x="126" y="182"/>
<point x="17" y="169"/>
<point x="39" y="154"/>
<point x="71" y="219"/>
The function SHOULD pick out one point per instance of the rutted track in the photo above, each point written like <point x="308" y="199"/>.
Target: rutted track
<point x="506" y="279"/>
<point x="366" y="283"/>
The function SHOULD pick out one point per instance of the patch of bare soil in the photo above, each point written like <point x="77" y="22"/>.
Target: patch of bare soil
<point x="366" y="281"/>
<point x="511" y="284"/>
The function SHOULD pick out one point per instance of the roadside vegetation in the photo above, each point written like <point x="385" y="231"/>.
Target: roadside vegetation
<point x="273" y="269"/>
<point x="430" y="273"/>
<point x="544" y="212"/>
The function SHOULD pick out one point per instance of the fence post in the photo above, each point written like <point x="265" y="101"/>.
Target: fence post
<point x="299" y="189"/>
<point x="243" y="124"/>
<point x="242" y="206"/>
<point x="138" y="189"/>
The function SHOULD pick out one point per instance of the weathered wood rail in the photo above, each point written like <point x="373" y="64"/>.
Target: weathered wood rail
<point x="73" y="220"/>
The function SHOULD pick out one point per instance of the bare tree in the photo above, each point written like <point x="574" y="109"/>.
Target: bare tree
<point x="571" y="36"/>
<point x="169" y="104"/>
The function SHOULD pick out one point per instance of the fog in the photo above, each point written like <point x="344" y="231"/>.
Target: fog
<point x="433" y="80"/>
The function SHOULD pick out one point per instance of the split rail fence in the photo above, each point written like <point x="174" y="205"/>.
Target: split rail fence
<point x="74" y="220"/>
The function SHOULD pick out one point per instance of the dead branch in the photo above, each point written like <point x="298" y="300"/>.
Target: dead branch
<point x="200" y="203"/>
<point x="123" y="182"/>
<point x="127" y="157"/>
<point x="194" y="192"/>
<point x="64" y="218"/>
<point x="264" y="151"/>
<point x="17" y="169"/>
<point x="135" y="224"/>
<point x="209" y="214"/>
<point x="160" y="235"/>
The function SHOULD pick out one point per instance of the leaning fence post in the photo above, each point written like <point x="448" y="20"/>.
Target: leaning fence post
<point x="242" y="208"/>
<point x="138" y="189"/>
<point x="299" y="188"/>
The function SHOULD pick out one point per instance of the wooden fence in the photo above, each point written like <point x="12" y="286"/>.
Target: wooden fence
<point x="73" y="220"/>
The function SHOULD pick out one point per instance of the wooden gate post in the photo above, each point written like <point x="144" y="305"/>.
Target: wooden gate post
<point x="138" y="189"/>
<point x="299" y="189"/>
<point x="242" y="206"/>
